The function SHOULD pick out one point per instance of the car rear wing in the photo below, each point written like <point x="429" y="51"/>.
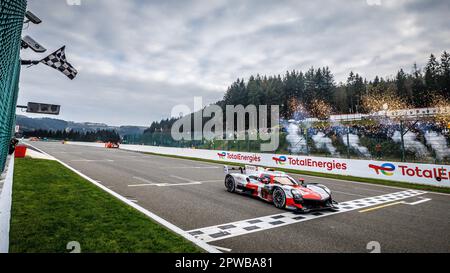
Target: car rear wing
<point x="247" y="169"/>
<point x="227" y="169"/>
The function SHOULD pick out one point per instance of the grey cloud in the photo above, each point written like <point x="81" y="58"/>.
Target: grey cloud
<point x="138" y="59"/>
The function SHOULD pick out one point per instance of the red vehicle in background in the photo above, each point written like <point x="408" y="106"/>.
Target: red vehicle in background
<point x="112" y="145"/>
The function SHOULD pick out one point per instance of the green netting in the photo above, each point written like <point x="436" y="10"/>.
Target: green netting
<point x="11" y="22"/>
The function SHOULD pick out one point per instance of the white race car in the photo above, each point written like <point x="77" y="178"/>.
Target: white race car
<point x="279" y="188"/>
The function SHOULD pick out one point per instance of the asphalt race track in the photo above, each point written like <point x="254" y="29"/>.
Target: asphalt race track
<point x="191" y="195"/>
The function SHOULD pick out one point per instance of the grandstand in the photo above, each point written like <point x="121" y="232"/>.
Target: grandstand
<point x="400" y="113"/>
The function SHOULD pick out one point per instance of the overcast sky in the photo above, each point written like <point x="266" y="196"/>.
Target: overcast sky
<point x="137" y="59"/>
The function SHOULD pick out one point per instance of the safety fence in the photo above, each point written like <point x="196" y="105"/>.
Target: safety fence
<point x="12" y="14"/>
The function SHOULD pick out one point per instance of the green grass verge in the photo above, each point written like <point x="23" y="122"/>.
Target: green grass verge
<point x="53" y="206"/>
<point x="328" y="175"/>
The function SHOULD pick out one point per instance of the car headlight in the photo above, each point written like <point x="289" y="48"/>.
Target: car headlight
<point x="296" y="194"/>
<point x="327" y="190"/>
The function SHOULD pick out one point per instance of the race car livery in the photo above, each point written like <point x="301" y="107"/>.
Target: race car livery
<point x="279" y="188"/>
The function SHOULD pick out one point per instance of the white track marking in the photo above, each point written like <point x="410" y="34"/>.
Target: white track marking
<point x="352" y="194"/>
<point x="381" y="207"/>
<point x="222" y="248"/>
<point x="180" y="184"/>
<point x="417" y="202"/>
<point x="68" y="152"/>
<point x="228" y="230"/>
<point x="174" y="184"/>
<point x="193" y="181"/>
<point x="147" y="182"/>
<point x="362" y="189"/>
<point x="143" y="180"/>
<point x="92" y="160"/>
<point x="190" y="183"/>
<point x="148" y="213"/>
<point x="146" y="185"/>
<point x="209" y="167"/>
<point x="182" y="178"/>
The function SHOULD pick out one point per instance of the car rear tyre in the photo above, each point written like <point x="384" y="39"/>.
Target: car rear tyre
<point x="230" y="184"/>
<point x="279" y="198"/>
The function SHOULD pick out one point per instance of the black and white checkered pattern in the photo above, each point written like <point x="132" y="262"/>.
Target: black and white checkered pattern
<point x="57" y="60"/>
<point x="220" y="232"/>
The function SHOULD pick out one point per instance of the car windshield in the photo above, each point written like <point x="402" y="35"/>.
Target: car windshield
<point x="285" y="180"/>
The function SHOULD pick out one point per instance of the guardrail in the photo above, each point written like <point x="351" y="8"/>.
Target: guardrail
<point x="5" y="206"/>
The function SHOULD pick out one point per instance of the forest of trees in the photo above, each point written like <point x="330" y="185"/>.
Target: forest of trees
<point x="318" y="92"/>
<point x="161" y="126"/>
<point x="89" y="136"/>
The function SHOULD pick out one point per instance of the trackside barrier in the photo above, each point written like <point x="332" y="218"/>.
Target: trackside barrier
<point x="91" y="144"/>
<point x="426" y="174"/>
<point x="5" y="206"/>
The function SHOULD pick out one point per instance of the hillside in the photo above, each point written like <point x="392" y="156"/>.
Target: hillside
<point x="31" y="124"/>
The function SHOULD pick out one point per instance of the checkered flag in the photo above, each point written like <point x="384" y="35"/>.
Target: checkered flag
<point x="57" y="60"/>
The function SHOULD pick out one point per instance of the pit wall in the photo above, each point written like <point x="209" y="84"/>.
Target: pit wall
<point x="426" y="174"/>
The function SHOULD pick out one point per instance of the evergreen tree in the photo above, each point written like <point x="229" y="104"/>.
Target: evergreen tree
<point x="328" y="85"/>
<point x="254" y="91"/>
<point x="432" y="74"/>
<point x="376" y="81"/>
<point x="445" y="74"/>
<point x="356" y="88"/>
<point x="401" y="85"/>
<point x="350" y="92"/>
<point x="418" y="88"/>
<point x="290" y="90"/>
<point x="310" y="87"/>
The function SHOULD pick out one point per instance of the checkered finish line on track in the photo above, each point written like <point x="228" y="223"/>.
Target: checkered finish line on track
<point x="220" y="232"/>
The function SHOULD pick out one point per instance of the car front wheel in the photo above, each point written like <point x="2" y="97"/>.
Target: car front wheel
<point x="229" y="184"/>
<point x="279" y="198"/>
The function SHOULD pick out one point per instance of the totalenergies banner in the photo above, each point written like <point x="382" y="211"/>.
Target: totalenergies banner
<point x="427" y="174"/>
